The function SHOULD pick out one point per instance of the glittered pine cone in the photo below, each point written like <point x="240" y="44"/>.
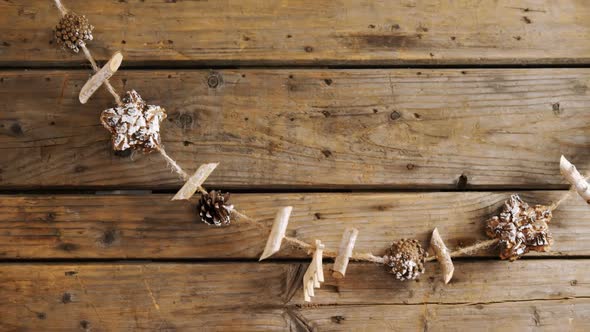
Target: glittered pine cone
<point x="72" y="31"/>
<point x="134" y="125"/>
<point x="521" y="228"/>
<point x="405" y="259"/>
<point x="213" y="208"/>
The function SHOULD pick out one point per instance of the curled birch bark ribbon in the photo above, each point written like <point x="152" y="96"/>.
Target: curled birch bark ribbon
<point x="101" y="76"/>
<point x="344" y="252"/>
<point x="314" y="275"/>
<point x="277" y="233"/>
<point x="442" y="255"/>
<point x="194" y="183"/>
<point x="576" y="180"/>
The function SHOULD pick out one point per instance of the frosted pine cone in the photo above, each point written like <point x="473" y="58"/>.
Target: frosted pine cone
<point x="134" y="125"/>
<point x="213" y="208"/>
<point x="72" y="30"/>
<point x="405" y="259"/>
<point x="521" y="228"/>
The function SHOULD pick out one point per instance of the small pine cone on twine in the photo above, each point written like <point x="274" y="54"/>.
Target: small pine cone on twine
<point x="521" y="228"/>
<point x="213" y="208"/>
<point x="134" y="125"/>
<point x="405" y="259"/>
<point x="72" y="31"/>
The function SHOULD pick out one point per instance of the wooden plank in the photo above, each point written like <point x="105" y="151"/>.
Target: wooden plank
<point x="564" y="315"/>
<point x="307" y="32"/>
<point x="306" y="128"/>
<point x="151" y="226"/>
<point x="225" y="296"/>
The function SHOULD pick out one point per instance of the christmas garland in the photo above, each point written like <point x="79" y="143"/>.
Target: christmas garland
<point x="135" y="125"/>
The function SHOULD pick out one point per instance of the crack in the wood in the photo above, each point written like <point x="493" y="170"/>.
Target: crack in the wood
<point x="303" y="306"/>
<point x="296" y="321"/>
<point x="293" y="281"/>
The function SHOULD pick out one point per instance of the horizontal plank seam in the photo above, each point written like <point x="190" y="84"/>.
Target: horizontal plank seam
<point x="217" y="260"/>
<point x="265" y="190"/>
<point x="180" y="65"/>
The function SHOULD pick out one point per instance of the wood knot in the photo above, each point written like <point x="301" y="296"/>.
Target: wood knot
<point x="123" y="153"/>
<point x="183" y="121"/>
<point x="337" y="319"/>
<point x="556" y="108"/>
<point x="66" y="298"/>
<point x="84" y="324"/>
<point x="16" y="129"/>
<point x="67" y="247"/>
<point x="50" y="216"/>
<point x="108" y="237"/>
<point x="214" y="80"/>
<point x="462" y="182"/>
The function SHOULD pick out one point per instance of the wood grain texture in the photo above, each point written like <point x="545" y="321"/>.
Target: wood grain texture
<point x="307" y="32"/>
<point x="248" y="296"/>
<point x="565" y="315"/>
<point x="306" y="128"/>
<point x="151" y="226"/>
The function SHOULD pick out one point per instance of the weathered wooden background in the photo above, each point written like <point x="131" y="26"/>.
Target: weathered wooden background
<point x="390" y="116"/>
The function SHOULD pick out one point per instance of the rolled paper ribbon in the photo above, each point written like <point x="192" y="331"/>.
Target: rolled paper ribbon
<point x="314" y="275"/>
<point x="101" y="76"/>
<point x="442" y="255"/>
<point x="344" y="252"/>
<point x="279" y="227"/>
<point x="195" y="181"/>
<point x="571" y="174"/>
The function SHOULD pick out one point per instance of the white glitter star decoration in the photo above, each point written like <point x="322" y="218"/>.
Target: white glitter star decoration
<point x="134" y="125"/>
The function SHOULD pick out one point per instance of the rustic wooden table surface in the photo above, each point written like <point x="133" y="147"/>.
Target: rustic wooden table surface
<point x="390" y="116"/>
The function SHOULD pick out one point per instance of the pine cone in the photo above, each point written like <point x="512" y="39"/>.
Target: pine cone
<point x="405" y="259"/>
<point x="72" y="30"/>
<point x="521" y="228"/>
<point x="134" y="125"/>
<point x="213" y="208"/>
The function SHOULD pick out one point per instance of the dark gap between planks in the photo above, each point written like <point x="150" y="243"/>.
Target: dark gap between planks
<point x="139" y="261"/>
<point x="133" y="191"/>
<point x="213" y="65"/>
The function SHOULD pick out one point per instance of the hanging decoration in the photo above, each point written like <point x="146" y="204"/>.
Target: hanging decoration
<point x="520" y="228"/>
<point x="576" y="180"/>
<point x="135" y="124"/>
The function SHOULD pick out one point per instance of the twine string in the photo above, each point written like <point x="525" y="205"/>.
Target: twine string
<point x="565" y="196"/>
<point x="469" y="250"/>
<point x="172" y="163"/>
